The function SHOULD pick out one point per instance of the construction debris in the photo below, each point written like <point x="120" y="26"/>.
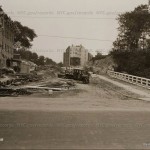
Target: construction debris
<point x="48" y="87"/>
<point x="41" y="88"/>
<point x="26" y="84"/>
<point x="19" y="79"/>
<point x="13" y="92"/>
<point x="50" y="92"/>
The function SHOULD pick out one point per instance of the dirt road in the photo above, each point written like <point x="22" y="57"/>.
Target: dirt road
<point x="74" y="130"/>
<point x="99" y="94"/>
<point x="100" y="115"/>
<point x="144" y="94"/>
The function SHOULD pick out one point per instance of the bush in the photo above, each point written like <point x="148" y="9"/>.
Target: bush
<point x="133" y="62"/>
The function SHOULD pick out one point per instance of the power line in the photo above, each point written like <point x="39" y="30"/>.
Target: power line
<point x="85" y="18"/>
<point x="79" y="38"/>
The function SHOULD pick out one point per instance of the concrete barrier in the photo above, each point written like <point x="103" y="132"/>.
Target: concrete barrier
<point x="144" y="82"/>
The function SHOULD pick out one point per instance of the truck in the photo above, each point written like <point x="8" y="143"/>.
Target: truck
<point x="78" y="74"/>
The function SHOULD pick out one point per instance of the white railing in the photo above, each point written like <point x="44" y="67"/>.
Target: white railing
<point x="144" y="82"/>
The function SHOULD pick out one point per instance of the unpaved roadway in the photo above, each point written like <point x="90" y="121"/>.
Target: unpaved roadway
<point x="145" y="95"/>
<point x="100" y="115"/>
<point x="99" y="94"/>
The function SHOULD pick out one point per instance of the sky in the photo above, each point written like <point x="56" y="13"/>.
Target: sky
<point x="61" y="23"/>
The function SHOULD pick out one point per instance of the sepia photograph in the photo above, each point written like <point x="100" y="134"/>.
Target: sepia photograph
<point x="74" y="74"/>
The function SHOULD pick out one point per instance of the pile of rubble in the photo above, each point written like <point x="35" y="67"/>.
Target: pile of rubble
<point x="19" y="79"/>
<point x="103" y="65"/>
<point x="14" y="88"/>
<point x="43" y="81"/>
<point x="10" y="85"/>
<point x="50" y="87"/>
<point x="4" y="91"/>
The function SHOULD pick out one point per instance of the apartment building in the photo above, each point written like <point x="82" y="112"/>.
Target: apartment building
<point x="7" y="34"/>
<point x="90" y="56"/>
<point x="75" y="56"/>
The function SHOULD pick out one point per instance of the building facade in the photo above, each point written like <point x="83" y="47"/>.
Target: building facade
<point x="23" y="66"/>
<point x="7" y="34"/>
<point x="75" y="56"/>
<point x="90" y="56"/>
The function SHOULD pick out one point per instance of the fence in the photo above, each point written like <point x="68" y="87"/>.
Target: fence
<point x="144" y="82"/>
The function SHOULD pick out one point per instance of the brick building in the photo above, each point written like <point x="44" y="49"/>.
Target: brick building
<point x="7" y="34"/>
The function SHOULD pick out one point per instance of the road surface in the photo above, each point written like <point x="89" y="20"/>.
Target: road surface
<point x="96" y="116"/>
<point x="129" y="87"/>
<point x="75" y="130"/>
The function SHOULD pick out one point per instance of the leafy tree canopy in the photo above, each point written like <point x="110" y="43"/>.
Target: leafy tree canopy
<point x="131" y="27"/>
<point x="131" y="50"/>
<point x="25" y="35"/>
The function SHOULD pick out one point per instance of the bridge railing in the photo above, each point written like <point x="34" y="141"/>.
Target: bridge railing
<point x="144" y="82"/>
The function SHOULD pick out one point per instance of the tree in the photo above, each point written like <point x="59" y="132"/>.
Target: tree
<point x="60" y="64"/>
<point x="99" y="56"/>
<point x="34" y="57"/>
<point x="25" y="35"/>
<point x="131" y="50"/>
<point x="132" y="25"/>
<point x="41" y="60"/>
<point x="49" y="61"/>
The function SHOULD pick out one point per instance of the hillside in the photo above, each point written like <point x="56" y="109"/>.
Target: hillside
<point x="101" y="66"/>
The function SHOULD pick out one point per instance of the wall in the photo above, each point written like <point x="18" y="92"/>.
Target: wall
<point x="6" y="39"/>
<point x="25" y="67"/>
<point x="78" y="52"/>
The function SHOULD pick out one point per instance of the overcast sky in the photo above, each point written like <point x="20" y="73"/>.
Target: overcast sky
<point x="60" y="23"/>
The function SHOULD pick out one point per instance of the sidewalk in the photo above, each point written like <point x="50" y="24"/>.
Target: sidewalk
<point x="144" y="95"/>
